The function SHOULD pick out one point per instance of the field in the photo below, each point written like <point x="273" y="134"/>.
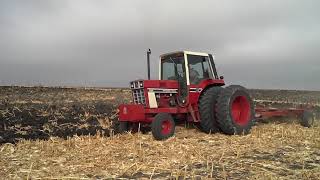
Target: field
<point x="70" y="133"/>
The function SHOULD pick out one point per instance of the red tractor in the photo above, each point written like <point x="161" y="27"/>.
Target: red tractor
<point x="189" y="89"/>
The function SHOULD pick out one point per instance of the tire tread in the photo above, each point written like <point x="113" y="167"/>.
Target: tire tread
<point x="207" y="101"/>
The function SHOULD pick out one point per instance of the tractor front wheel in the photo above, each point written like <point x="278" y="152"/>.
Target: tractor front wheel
<point x="163" y="126"/>
<point x="235" y="111"/>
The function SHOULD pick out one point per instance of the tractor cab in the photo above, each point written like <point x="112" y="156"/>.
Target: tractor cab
<point x="191" y="66"/>
<point x="188" y="68"/>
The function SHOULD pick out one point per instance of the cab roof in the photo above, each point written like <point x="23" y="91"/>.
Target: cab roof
<point x="185" y="52"/>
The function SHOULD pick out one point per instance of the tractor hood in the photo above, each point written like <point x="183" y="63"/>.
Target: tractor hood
<point x="141" y="88"/>
<point x="167" y="84"/>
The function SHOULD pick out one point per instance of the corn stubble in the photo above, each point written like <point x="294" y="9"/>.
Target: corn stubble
<point x="91" y="149"/>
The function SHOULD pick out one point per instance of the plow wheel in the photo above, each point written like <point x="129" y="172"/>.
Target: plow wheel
<point x="207" y="109"/>
<point x="307" y="119"/>
<point x="235" y="111"/>
<point x="162" y="126"/>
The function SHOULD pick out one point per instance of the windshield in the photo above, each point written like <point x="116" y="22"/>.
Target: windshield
<point x="172" y="67"/>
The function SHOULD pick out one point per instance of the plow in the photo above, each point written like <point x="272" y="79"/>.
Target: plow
<point x="304" y="115"/>
<point x="189" y="89"/>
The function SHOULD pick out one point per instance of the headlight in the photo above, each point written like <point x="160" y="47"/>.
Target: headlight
<point x="141" y="84"/>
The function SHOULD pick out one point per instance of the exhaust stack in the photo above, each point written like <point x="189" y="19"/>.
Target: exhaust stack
<point x="148" y="61"/>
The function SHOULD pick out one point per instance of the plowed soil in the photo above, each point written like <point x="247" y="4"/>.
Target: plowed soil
<point x="57" y="133"/>
<point x="41" y="113"/>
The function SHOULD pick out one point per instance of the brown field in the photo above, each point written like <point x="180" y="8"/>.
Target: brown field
<point x="70" y="133"/>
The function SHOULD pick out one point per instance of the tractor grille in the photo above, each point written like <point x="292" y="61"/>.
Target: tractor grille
<point x="138" y="92"/>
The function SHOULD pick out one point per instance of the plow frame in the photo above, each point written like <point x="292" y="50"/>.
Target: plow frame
<point x="263" y="113"/>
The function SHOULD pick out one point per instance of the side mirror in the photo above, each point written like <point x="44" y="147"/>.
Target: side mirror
<point x="221" y="77"/>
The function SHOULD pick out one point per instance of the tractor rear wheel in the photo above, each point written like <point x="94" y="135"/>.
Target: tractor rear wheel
<point x="207" y="109"/>
<point x="235" y="110"/>
<point x="163" y="126"/>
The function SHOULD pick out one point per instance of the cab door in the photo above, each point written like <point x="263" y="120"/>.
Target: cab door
<point x="173" y="67"/>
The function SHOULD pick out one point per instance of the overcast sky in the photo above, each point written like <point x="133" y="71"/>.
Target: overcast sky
<point x="258" y="44"/>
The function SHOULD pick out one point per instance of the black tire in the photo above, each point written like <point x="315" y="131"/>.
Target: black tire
<point x="307" y="119"/>
<point x="235" y="110"/>
<point x="163" y="126"/>
<point x="123" y="126"/>
<point x="207" y="106"/>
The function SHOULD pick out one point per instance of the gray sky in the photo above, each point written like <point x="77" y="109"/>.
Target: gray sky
<point x="259" y="44"/>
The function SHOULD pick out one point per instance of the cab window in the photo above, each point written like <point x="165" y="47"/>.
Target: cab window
<point x="172" y="67"/>
<point x="199" y="68"/>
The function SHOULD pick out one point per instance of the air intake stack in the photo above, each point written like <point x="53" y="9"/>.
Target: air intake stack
<point x="148" y="62"/>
